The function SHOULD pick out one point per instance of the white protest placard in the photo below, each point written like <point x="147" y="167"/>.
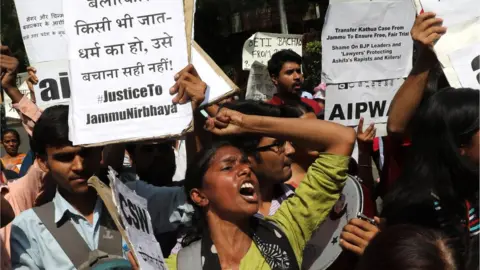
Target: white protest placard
<point x="41" y="24"/>
<point x="466" y="63"/>
<point x="462" y="19"/>
<point x="259" y="85"/>
<point x="53" y="87"/>
<point x="43" y="31"/>
<point x="123" y="58"/>
<point x="261" y="46"/>
<point x="367" y="41"/>
<point x="346" y="103"/>
<point x="218" y="83"/>
<point x="134" y="214"/>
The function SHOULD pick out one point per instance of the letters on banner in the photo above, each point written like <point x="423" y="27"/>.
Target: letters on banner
<point x="346" y="103"/>
<point x="134" y="214"/>
<point x="261" y="46"/>
<point x="370" y="40"/>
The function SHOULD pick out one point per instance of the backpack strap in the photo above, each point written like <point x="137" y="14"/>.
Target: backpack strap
<point x="65" y="234"/>
<point x="190" y="257"/>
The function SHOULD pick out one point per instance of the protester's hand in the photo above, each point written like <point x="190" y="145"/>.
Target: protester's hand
<point x="357" y="234"/>
<point x="226" y="122"/>
<point x="365" y="137"/>
<point x="9" y="66"/>
<point x="427" y="29"/>
<point x="31" y="81"/>
<point x="132" y="261"/>
<point x="188" y="86"/>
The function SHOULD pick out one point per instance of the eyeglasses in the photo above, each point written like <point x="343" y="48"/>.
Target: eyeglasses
<point x="277" y="147"/>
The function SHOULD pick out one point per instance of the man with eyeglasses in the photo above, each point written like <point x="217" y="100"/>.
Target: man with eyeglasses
<point x="271" y="157"/>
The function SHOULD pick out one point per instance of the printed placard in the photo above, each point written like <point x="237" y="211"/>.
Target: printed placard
<point x="133" y="212"/>
<point x="367" y="41"/>
<point x="346" y="103"/>
<point x="123" y="58"/>
<point x="261" y="46"/>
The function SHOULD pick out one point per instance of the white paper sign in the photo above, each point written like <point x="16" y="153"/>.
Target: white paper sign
<point x="462" y="19"/>
<point x="260" y="85"/>
<point x="261" y="46"/>
<point x="41" y="24"/>
<point x="123" y="57"/>
<point x="138" y="225"/>
<point x="53" y="87"/>
<point x="466" y="63"/>
<point x="217" y="86"/>
<point x="346" y="103"/>
<point x="367" y="41"/>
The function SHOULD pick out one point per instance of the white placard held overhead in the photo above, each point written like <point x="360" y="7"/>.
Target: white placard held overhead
<point x="466" y="63"/>
<point x="462" y="19"/>
<point x="346" y="103"/>
<point x="123" y="58"/>
<point x="367" y="41"/>
<point x="41" y="24"/>
<point x="261" y="46"/>
<point x="259" y="85"/>
<point x="134" y="214"/>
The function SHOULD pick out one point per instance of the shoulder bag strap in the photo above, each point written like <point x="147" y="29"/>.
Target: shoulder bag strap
<point x="190" y="257"/>
<point x="65" y="234"/>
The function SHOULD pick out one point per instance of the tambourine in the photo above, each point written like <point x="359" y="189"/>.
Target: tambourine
<point x="324" y="246"/>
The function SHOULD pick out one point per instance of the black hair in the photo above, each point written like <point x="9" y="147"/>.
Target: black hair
<point x="436" y="170"/>
<point x="298" y="104"/>
<point x="51" y="129"/>
<point x="194" y="179"/>
<point x="12" y="131"/>
<point x="408" y="247"/>
<point x="281" y="57"/>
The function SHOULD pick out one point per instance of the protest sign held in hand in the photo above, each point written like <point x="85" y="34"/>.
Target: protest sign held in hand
<point x="261" y="46"/>
<point x="457" y="49"/>
<point x="121" y="67"/>
<point x="260" y="85"/>
<point x="133" y="212"/>
<point x="369" y="39"/>
<point x="346" y="103"/>
<point x="43" y="31"/>
<point x="218" y="83"/>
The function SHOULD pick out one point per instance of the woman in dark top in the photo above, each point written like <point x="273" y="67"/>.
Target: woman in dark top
<point x="439" y="186"/>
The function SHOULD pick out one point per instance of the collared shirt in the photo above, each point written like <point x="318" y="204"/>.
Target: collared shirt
<point x="33" y="246"/>
<point x="283" y="193"/>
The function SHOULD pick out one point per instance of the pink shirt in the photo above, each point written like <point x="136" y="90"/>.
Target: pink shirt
<point x="22" y="193"/>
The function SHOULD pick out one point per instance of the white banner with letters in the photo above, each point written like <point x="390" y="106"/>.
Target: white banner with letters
<point x="367" y="41"/>
<point x="43" y="32"/>
<point x="346" y="103"/>
<point x="261" y="46"/>
<point x="134" y="214"/>
<point x="123" y="57"/>
<point x="458" y="48"/>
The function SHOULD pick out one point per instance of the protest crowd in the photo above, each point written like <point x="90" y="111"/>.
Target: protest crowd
<point x="254" y="183"/>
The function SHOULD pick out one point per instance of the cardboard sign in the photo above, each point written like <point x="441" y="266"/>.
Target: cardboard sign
<point x="260" y="85"/>
<point x="346" y="103"/>
<point x="367" y="41"/>
<point x="123" y="58"/>
<point x="454" y="48"/>
<point x="261" y="46"/>
<point x="133" y="212"/>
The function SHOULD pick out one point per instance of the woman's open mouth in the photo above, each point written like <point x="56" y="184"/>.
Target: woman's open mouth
<point x="247" y="191"/>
